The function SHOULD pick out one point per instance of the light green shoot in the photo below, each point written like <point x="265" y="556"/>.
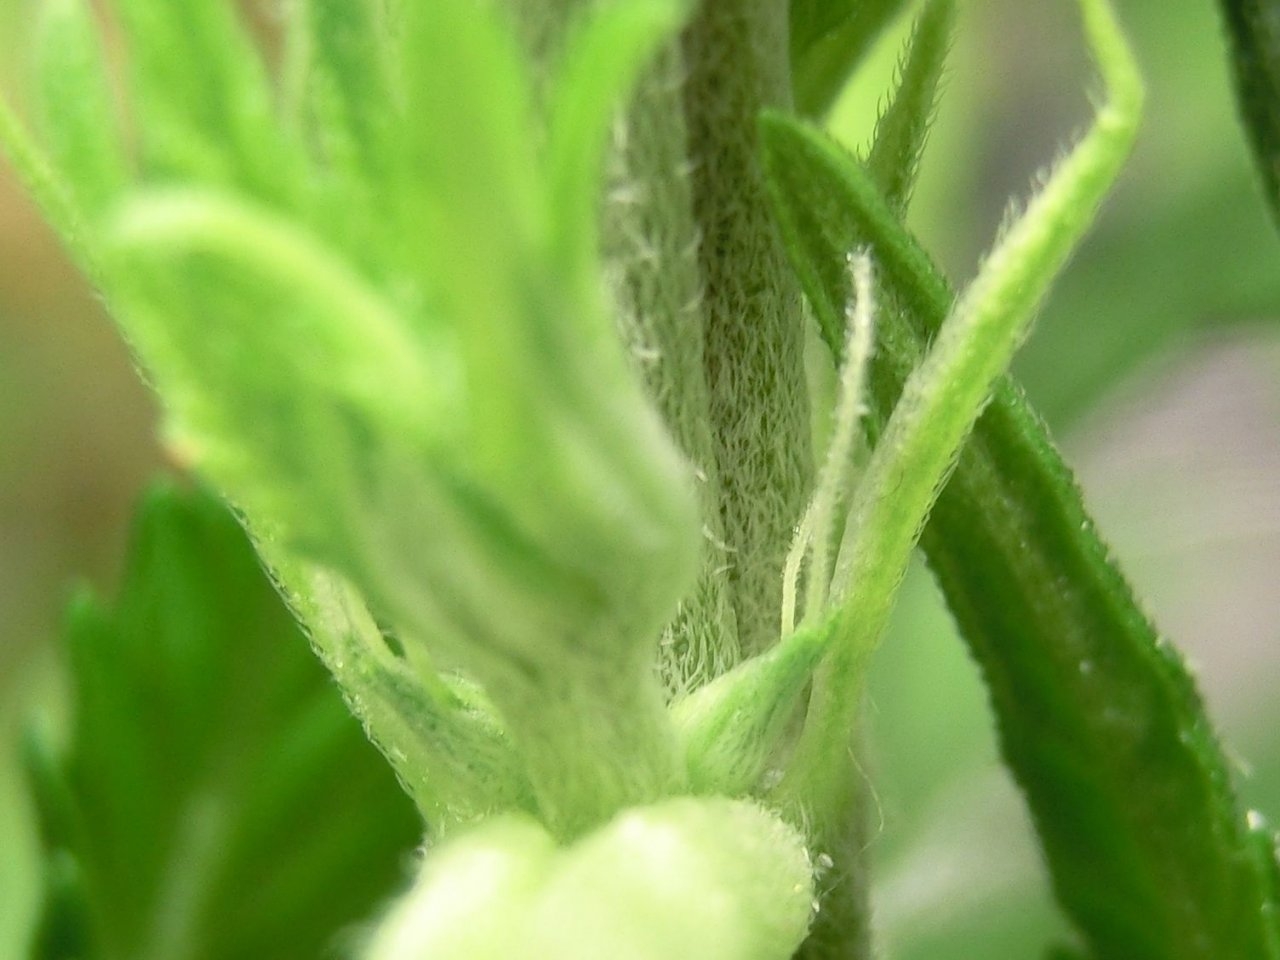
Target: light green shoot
<point x="944" y="396"/>
<point x="818" y="528"/>
<point x="834" y="477"/>
<point x="381" y="362"/>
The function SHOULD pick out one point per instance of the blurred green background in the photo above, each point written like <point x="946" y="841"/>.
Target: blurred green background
<point x="1157" y="363"/>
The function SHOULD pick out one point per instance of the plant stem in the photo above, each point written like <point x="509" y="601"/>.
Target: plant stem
<point x="650" y="245"/>
<point x="738" y="63"/>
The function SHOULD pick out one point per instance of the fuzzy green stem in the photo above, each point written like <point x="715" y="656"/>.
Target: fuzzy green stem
<point x="737" y="58"/>
<point x="651" y="256"/>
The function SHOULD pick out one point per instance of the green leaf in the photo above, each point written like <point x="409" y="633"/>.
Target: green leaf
<point x="65" y="925"/>
<point x="441" y="419"/>
<point x="49" y="190"/>
<point x="216" y="799"/>
<point x="1098" y="718"/>
<point x="828" y="41"/>
<point x="204" y="106"/>
<point x="730" y="728"/>
<point x="1266" y="846"/>
<point x="75" y="106"/>
<point x="1253" y="28"/>
<point x="471" y="145"/>
<point x="439" y="733"/>
<point x="903" y="128"/>
<point x="338" y="84"/>
<point x="348" y="44"/>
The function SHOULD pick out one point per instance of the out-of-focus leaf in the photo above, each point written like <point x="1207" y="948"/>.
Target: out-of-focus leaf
<point x="1182" y="250"/>
<point x="346" y="42"/>
<point x="216" y="799"/>
<point x="1147" y="289"/>
<point x="1253" y="27"/>
<point x="206" y="109"/>
<point x="76" y="109"/>
<point x="603" y="57"/>
<point x="1098" y="718"/>
<point x="47" y="188"/>
<point x="1268" y="852"/>
<point x="828" y="41"/>
<point x="343" y="88"/>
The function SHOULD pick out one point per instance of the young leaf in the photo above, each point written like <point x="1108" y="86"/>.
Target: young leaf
<point x="730" y="728"/>
<point x="50" y="191"/>
<point x="209" y="761"/>
<point x="203" y="104"/>
<point x="439" y="733"/>
<point x="339" y="89"/>
<point x="1253" y="28"/>
<point x="903" y="128"/>
<point x="76" y="108"/>
<point x="451" y="429"/>
<point x="348" y="46"/>
<point x="1098" y="718"/>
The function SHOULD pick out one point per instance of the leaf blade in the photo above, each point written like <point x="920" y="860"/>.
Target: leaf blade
<point x="176" y="690"/>
<point x="76" y="108"/>
<point x="829" y="40"/>
<point x="1253" y="29"/>
<point x="205" y="108"/>
<point x="902" y="130"/>
<point x="1050" y="620"/>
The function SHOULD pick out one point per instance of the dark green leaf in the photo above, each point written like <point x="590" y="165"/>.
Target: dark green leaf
<point x="811" y="20"/>
<point x="1098" y="718"/>
<point x="904" y="126"/>
<point x="1253" y="27"/>
<point x="216" y="799"/>
<point x="828" y="41"/>
<point x="1268" y="860"/>
<point x="65" y="926"/>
